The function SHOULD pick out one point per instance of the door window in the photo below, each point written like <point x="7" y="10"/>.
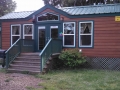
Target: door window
<point x="41" y="37"/>
<point x="54" y="31"/>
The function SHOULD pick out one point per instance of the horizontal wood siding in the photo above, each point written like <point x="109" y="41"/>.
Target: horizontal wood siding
<point x="6" y="32"/>
<point x="106" y="36"/>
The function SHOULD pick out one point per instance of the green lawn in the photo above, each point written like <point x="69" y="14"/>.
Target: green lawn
<point x="80" y="80"/>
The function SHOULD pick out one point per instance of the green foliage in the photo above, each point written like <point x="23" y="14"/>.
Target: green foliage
<point x="80" y="79"/>
<point x="7" y="6"/>
<point x="68" y="3"/>
<point x="2" y="70"/>
<point x="72" y="58"/>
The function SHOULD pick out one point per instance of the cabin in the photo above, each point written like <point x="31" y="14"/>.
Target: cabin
<point x="94" y="30"/>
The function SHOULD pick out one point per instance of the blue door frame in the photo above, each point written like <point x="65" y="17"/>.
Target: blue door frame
<point x="47" y="32"/>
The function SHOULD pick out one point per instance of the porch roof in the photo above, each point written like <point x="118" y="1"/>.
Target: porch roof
<point x="76" y="10"/>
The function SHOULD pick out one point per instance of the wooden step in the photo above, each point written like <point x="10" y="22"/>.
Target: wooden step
<point x="29" y="54"/>
<point x="28" y="58"/>
<point x="22" y="71"/>
<point x="26" y="63"/>
<point x="25" y="68"/>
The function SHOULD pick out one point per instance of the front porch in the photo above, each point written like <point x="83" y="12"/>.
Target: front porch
<point x="21" y="56"/>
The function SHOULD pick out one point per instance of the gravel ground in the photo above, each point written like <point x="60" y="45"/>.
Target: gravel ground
<point x="17" y="81"/>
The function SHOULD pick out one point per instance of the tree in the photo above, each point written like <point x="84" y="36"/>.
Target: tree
<point x="7" y="6"/>
<point x="67" y="3"/>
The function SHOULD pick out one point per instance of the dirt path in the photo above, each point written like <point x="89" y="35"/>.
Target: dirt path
<point x="17" y="81"/>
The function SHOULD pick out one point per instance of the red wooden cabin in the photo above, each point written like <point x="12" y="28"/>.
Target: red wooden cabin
<point x="94" y="30"/>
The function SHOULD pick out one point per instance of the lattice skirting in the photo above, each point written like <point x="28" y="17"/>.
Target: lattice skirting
<point x="103" y="63"/>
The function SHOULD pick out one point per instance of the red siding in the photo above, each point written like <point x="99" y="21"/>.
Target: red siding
<point x="6" y="26"/>
<point x="106" y="35"/>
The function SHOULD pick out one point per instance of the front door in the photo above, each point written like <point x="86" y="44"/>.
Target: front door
<point x="45" y="33"/>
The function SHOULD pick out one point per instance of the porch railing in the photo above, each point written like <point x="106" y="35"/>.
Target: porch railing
<point x="21" y="45"/>
<point x="53" y="46"/>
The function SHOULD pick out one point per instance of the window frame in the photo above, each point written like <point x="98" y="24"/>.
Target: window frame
<point x="69" y="34"/>
<point x="15" y="35"/>
<point x="30" y="34"/>
<point x="92" y="34"/>
<point x="48" y="20"/>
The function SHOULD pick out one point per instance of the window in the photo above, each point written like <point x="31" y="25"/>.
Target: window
<point x="48" y="17"/>
<point x="86" y="34"/>
<point x="69" y="34"/>
<point x="15" y="33"/>
<point x="28" y="31"/>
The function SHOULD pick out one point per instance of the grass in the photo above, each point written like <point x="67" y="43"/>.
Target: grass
<point x="80" y="80"/>
<point x="2" y="70"/>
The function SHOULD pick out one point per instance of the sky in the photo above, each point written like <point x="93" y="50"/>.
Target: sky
<point x="28" y="5"/>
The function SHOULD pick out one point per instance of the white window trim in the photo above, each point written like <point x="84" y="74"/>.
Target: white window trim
<point x="15" y="35"/>
<point x="47" y="20"/>
<point x="69" y="34"/>
<point x="29" y="34"/>
<point x="86" y="34"/>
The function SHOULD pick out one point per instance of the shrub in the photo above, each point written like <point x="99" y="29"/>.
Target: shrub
<point x="72" y="58"/>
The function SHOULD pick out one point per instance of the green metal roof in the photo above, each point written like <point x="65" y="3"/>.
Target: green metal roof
<point x="17" y="15"/>
<point x="93" y="9"/>
<point x="76" y="10"/>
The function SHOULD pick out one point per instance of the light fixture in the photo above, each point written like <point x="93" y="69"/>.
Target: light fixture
<point x="62" y="18"/>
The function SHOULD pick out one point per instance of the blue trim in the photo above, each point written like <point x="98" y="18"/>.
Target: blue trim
<point x="70" y="46"/>
<point x="21" y="31"/>
<point x="10" y="34"/>
<point x="48" y="22"/>
<point x="1" y="37"/>
<point x="92" y="34"/>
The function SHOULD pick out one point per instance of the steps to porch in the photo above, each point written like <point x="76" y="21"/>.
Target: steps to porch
<point x="26" y="63"/>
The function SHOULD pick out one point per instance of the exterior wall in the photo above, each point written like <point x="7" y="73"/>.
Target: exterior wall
<point x="106" y="37"/>
<point x="6" y="32"/>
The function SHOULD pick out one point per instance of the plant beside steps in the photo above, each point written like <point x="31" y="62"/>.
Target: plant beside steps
<point x="26" y="63"/>
<point x="49" y="64"/>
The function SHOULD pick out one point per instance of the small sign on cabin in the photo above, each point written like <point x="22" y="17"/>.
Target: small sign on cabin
<point x="117" y="18"/>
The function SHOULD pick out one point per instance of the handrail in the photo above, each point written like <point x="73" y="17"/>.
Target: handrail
<point x="45" y="47"/>
<point x="53" y="46"/>
<point x="12" y="45"/>
<point x="21" y="45"/>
